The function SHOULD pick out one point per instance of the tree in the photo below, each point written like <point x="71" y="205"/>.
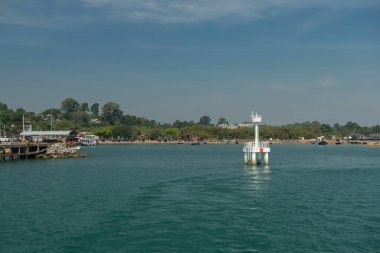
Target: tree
<point x="104" y="132"/>
<point x="182" y="124"/>
<point x="326" y="129"/>
<point x="222" y="121"/>
<point x="95" y="109"/>
<point x="3" y="107"/>
<point x="111" y="113"/>
<point x="352" y="126"/>
<point x="84" y="107"/>
<point x="80" y="117"/>
<point x="205" y="120"/>
<point x="172" y="133"/>
<point x="69" y="105"/>
<point x="121" y="131"/>
<point x="53" y="111"/>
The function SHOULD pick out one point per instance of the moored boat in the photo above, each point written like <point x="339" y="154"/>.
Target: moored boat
<point x="194" y="141"/>
<point x="322" y="142"/>
<point x="88" y="140"/>
<point x="373" y="144"/>
<point x="74" y="147"/>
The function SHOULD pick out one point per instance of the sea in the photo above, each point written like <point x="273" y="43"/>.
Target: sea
<point x="183" y="198"/>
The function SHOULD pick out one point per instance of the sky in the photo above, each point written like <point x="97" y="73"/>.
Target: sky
<point x="289" y="60"/>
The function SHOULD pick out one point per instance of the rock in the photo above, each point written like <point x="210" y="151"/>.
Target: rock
<point x="58" y="151"/>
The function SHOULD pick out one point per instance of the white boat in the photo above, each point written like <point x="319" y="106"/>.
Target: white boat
<point x="74" y="148"/>
<point x="88" y="140"/>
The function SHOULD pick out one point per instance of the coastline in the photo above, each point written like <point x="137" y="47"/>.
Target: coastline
<point x="300" y="142"/>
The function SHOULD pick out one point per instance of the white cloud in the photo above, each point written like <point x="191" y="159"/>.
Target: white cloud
<point x="56" y="12"/>
<point x="186" y="11"/>
<point x="286" y="87"/>
<point x="325" y="82"/>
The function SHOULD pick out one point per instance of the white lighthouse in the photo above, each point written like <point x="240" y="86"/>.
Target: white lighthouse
<point x="252" y="150"/>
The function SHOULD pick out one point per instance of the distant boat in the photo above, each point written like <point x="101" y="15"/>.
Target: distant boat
<point x="194" y="141"/>
<point x="322" y="142"/>
<point x="373" y="144"/>
<point x="338" y="142"/>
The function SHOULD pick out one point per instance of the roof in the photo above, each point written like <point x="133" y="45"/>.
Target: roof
<point x="48" y="133"/>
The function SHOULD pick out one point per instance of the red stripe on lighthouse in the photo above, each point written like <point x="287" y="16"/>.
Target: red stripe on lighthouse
<point x="261" y="150"/>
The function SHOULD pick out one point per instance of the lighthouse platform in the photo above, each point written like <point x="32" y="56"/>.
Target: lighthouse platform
<point x="253" y="150"/>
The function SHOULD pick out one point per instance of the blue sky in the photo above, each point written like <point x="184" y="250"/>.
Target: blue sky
<point x="291" y="61"/>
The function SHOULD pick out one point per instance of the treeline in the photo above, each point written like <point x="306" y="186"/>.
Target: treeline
<point x="110" y="122"/>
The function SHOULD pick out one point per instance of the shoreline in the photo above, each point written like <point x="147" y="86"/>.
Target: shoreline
<point x="331" y="142"/>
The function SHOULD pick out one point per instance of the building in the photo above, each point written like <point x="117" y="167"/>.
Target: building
<point x="49" y="136"/>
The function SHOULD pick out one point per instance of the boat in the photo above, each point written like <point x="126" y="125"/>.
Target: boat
<point x="338" y="142"/>
<point x="194" y="141"/>
<point x="74" y="147"/>
<point x="373" y="144"/>
<point x="88" y="140"/>
<point x="322" y="142"/>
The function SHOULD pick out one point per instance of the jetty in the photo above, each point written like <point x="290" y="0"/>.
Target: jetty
<point x="41" y="144"/>
<point x="24" y="151"/>
<point x="19" y="150"/>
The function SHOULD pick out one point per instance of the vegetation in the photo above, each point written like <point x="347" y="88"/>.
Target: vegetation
<point x="110" y="122"/>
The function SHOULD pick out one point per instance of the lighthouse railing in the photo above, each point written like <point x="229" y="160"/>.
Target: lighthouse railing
<point x="264" y="144"/>
<point x="261" y="144"/>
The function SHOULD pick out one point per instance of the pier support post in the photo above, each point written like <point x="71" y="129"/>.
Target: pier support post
<point x="259" y="158"/>
<point x="253" y="158"/>
<point x="245" y="158"/>
<point x="266" y="158"/>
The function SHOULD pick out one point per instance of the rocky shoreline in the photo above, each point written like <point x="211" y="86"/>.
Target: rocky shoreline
<point x="58" y="151"/>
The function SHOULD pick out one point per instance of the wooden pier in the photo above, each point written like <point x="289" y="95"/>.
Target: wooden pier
<point x="17" y="151"/>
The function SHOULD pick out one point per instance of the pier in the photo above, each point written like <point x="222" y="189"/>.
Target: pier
<point x="253" y="150"/>
<point x="17" y="151"/>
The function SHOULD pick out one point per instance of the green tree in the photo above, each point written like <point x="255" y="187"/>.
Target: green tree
<point x="3" y="107"/>
<point x="155" y="133"/>
<point x="121" y="131"/>
<point x="80" y="117"/>
<point x="172" y="133"/>
<point x="56" y="113"/>
<point x="222" y="121"/>
<point x="95" y="109"/>
<point x="69" y="105"/>
<point x="103" y="132"/>
<point x="84" y="107"/>
<point x="205" y="120"/>
<point x="326" y="129"/>
<point x="111" y="113"/>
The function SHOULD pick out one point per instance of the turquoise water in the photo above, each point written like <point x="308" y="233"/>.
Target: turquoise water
<point x="183" y="198"/>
